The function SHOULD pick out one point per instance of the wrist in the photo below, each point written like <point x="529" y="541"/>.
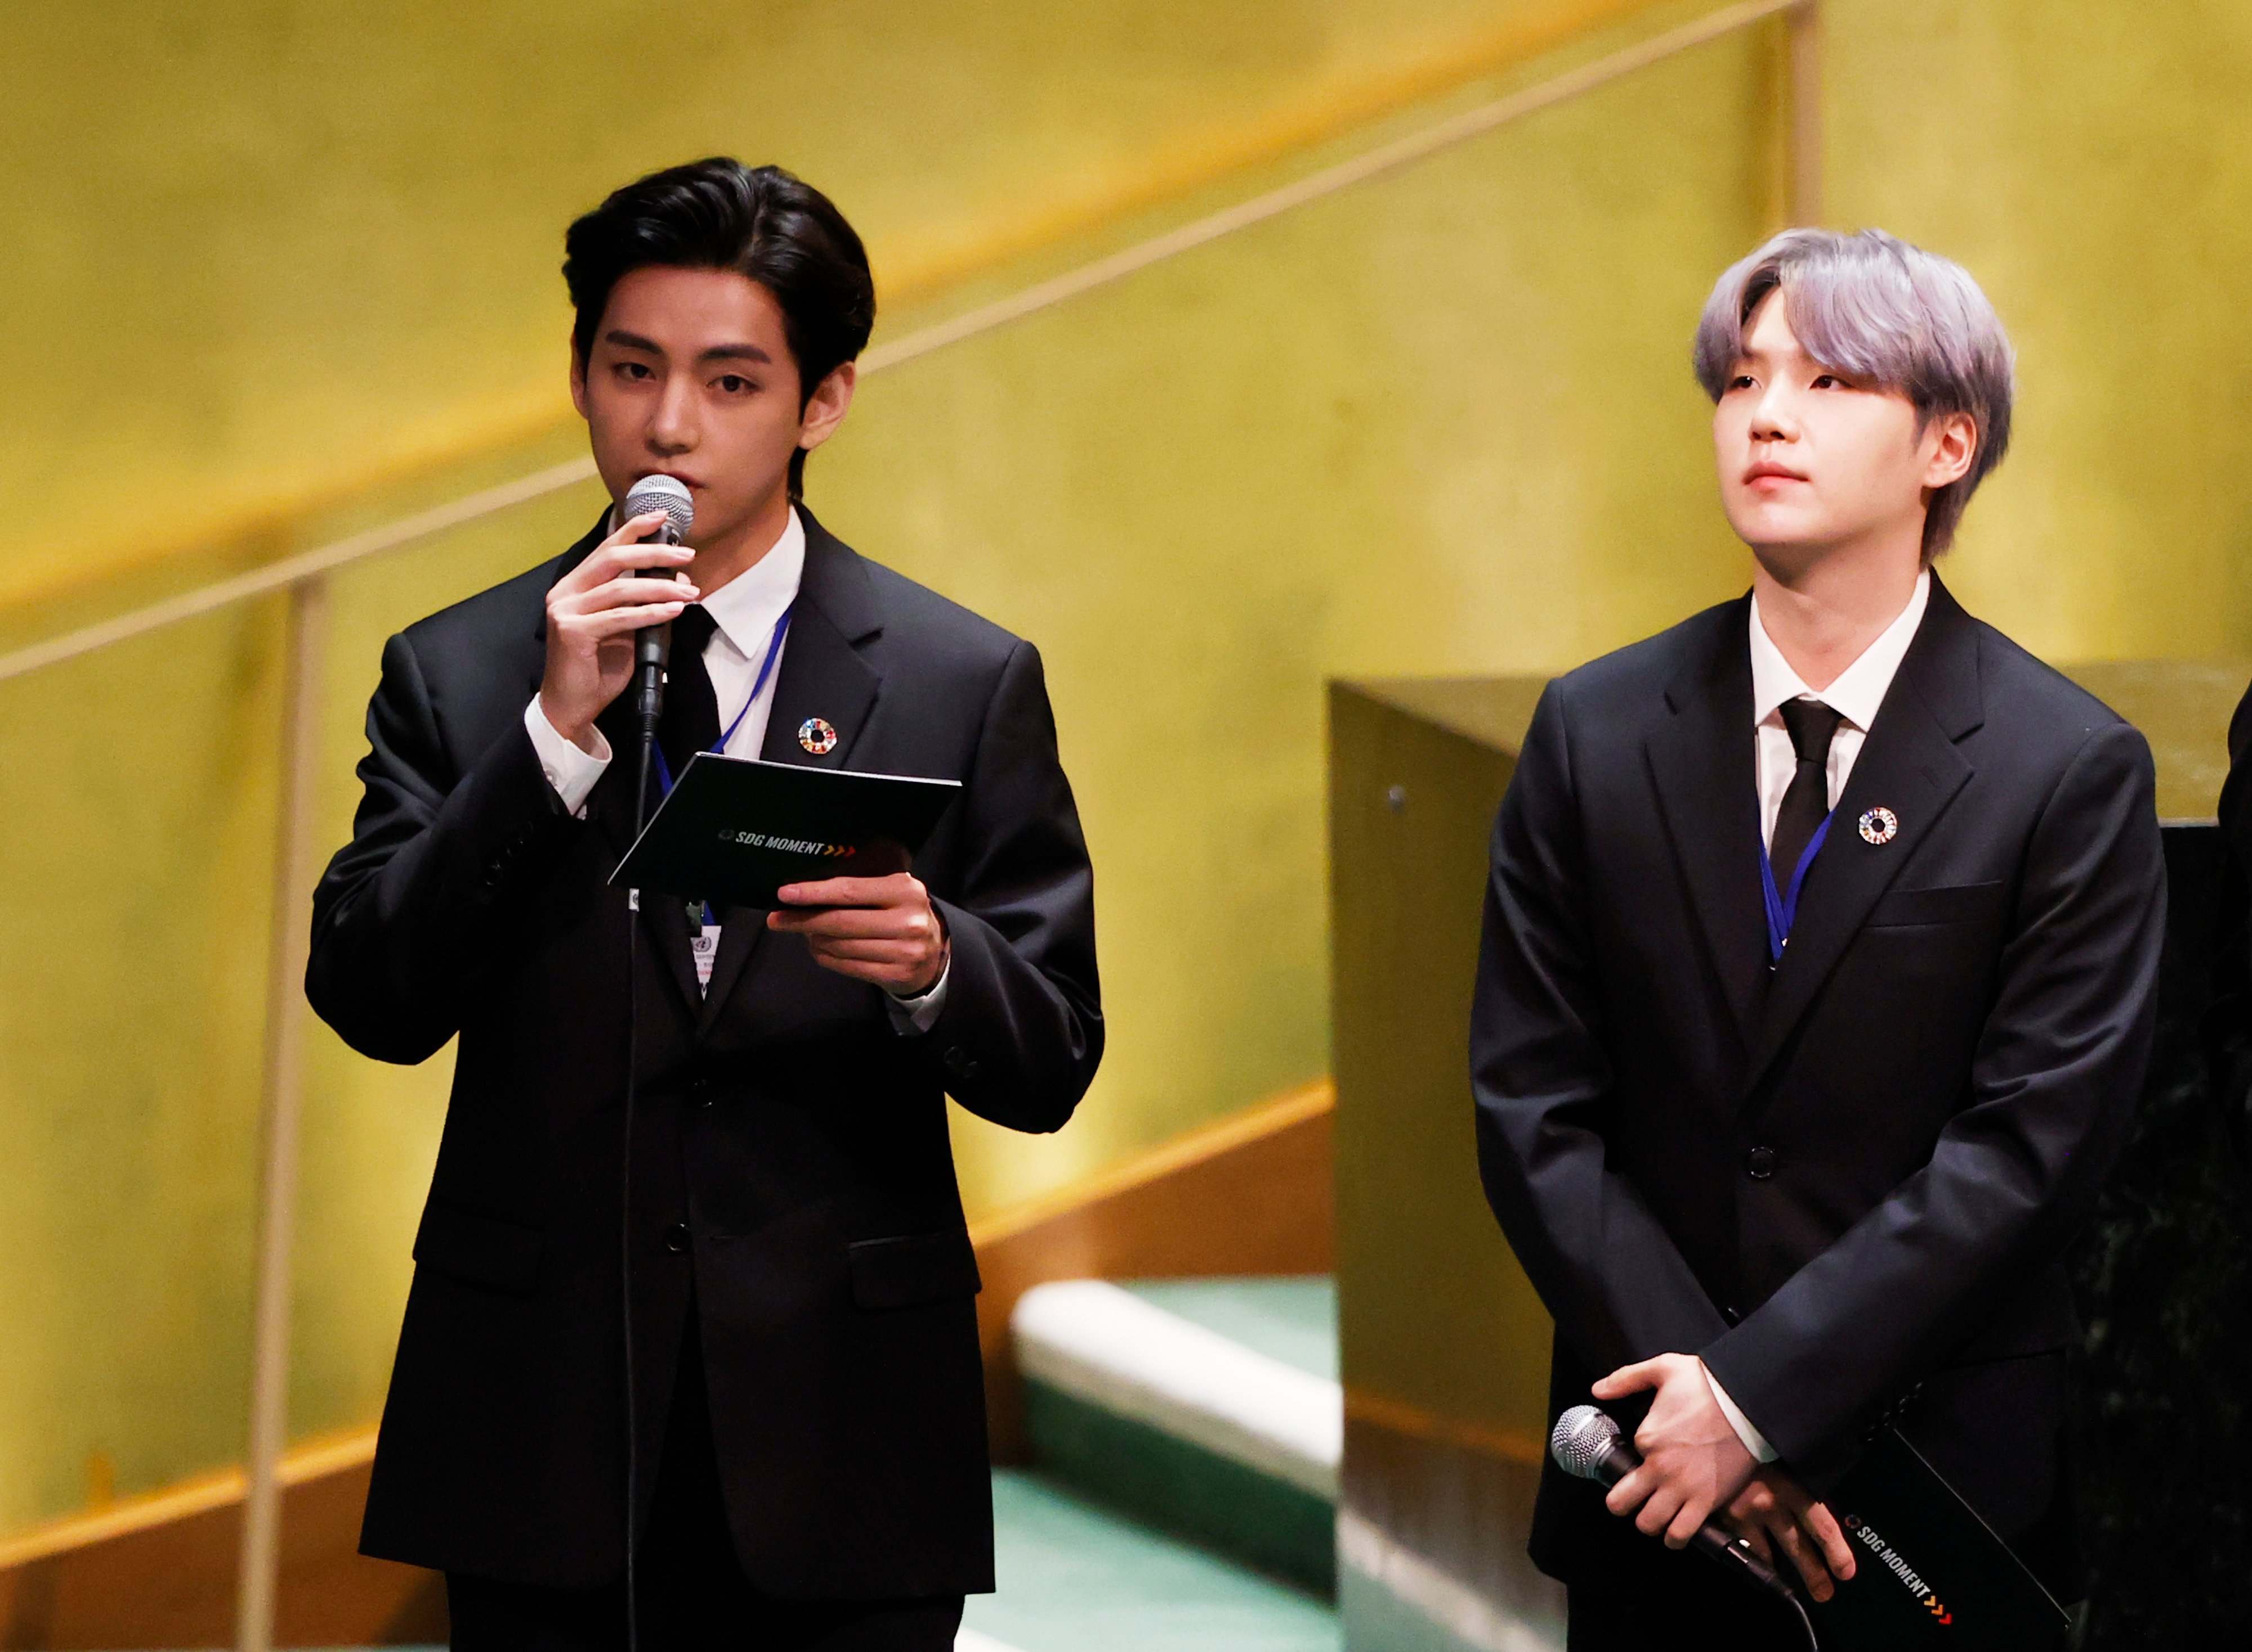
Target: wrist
<point x="579" y="731"/>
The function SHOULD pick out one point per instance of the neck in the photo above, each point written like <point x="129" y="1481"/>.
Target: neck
<point x="1822" y="610"/>
<point x="742" y="547"/>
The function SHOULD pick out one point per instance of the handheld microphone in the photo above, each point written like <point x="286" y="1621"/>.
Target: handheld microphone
<point x="1586" y="1443"/>
<point x="653" y="644"/>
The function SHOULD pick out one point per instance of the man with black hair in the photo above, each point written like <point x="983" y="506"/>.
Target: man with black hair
<point x="810" y="1415"/>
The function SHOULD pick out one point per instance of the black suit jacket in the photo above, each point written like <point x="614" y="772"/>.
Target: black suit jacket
<point x="790" y="1154"/>
<point x="1848" y="1180"/>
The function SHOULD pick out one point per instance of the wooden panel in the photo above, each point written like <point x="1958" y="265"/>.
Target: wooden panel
<point x="1434" y="1312"/>
<point x="159" y="1572"/>
<point x="1250" y="1194"/>
<point x="1444" y="1345"/>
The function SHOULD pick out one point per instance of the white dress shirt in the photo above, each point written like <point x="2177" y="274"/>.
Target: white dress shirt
<point x="745" y="612"/>
<point x="1855" y="694"/>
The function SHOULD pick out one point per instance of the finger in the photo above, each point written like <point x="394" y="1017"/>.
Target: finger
<point x="1657" y="1514"/>
<point x="1688" y="1524"/>
<point x="888" y="922"/>
<point x="1629" y="1379"/>
<point x="895" y="976"/>
<point x="1806" y="1557"/>
<point x="1754" y="1504"/>
<point x="633" y="528"/>
<point x="638" y="598"/>
<point x="888" y="890"/>
<point x="599" y="563"/>
<point x="656" y="560"/>
<point x="1823" y="1526"/>
<point x="611" y="621"/>
<point x="1627" y="1497"/>
<point x="889" y="953"/>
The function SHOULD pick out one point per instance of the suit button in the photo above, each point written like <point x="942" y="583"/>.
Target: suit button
<point x="1759" y="1163"/>
<point x="701" y="1087"/>
<point x="676" y="1238"/>
<point x="1729" y="1314"/>
<point x="957" y="1062"/>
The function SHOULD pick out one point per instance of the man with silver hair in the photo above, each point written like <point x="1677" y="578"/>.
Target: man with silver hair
<point x="1818" y="982"/>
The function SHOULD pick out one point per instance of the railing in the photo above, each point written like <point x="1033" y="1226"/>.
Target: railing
<point x="305" y="579"/>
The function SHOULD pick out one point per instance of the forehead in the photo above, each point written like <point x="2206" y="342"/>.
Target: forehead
<point x="686" y="310"/>
<point x="1769" y="333"/>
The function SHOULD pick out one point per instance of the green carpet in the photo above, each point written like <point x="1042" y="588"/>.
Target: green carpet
<point x="1074" y="1578"/>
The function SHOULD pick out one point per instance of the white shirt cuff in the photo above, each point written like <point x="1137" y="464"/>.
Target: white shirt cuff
<point x="920" y="1013"/>
<point x="571" y="771"/>
<point x="1754" y="1442"/>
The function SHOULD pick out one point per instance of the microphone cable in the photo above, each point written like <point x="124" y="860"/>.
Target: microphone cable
<point x="625" y="1207"/>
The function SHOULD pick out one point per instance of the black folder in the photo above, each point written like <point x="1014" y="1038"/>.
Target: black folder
<point x="734" y="829"/>
<point x="1928" y="1571"/>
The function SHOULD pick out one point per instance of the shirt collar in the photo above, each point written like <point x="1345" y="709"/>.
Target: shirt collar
<point x="748" y="607"/>
<point x="1859" y="689"/>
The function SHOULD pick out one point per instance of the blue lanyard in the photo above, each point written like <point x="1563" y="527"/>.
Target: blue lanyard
<point x="1783" y="909"/>
<point x="766" y="668"/>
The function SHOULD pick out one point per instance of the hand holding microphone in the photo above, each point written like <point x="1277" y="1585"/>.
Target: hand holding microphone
<point x="597" y="612"/>
<point x="1586" y="1442"/>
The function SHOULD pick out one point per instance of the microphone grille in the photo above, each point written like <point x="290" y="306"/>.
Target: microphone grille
<point x="663" y="493"/>
<point x="1582" y="1437"/>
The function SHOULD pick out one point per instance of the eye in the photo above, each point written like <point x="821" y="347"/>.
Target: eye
<point x="1830" y="381"/>
<point x="1742" y="382"/>
<point x="634" y="371"/>
<point x="734" y="384"/>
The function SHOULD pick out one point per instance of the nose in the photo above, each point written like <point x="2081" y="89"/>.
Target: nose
<point x="672" y="428"/>
<point x="1773" y="417"/>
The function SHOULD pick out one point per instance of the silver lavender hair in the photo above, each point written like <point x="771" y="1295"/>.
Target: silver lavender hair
<point x="1882" y="311"/>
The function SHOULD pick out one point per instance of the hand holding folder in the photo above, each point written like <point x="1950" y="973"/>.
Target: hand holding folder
<point x="735" y="830"/>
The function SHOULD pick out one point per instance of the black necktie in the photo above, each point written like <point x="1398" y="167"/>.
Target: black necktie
<point x="1807" y="802"/>
<point x="691" y="720"/>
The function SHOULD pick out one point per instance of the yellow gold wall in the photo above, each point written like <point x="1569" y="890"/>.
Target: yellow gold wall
<point x="272" y="276"/>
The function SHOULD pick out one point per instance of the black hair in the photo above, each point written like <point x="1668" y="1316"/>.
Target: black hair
<point x="761" y="222"/>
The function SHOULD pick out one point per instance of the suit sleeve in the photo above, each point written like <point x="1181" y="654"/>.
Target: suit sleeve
<point x="417" y="908"/>
<point x="1613" y="1280"/>
<point x="2052" y="1087"/>
<point x="1021" y="1032"/>
<point x="2227" y="1028"/>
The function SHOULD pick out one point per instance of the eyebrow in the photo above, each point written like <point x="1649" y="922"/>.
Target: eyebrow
<point x="625" y="340"/>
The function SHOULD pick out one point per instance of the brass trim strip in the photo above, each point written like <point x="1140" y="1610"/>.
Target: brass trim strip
<point x="1399" y="1417"/>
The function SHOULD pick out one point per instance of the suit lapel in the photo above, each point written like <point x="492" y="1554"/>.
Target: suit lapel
<point x="1703" y="764"/>
<point x="1911" y="764"/>
<point x="823" y="676"/>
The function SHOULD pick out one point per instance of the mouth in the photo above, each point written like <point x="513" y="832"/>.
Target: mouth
<point x="688" y="482"/>
<point x="1771" y="473"/>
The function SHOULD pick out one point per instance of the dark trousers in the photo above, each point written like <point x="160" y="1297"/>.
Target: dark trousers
<point x="690" y="1589"/>
<point x="1681" y="1602"/>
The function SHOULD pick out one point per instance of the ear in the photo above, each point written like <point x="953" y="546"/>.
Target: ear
<point x="832" y="399"/>
<point x="1950" y="443"/>
<point x="578" y="379"/>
